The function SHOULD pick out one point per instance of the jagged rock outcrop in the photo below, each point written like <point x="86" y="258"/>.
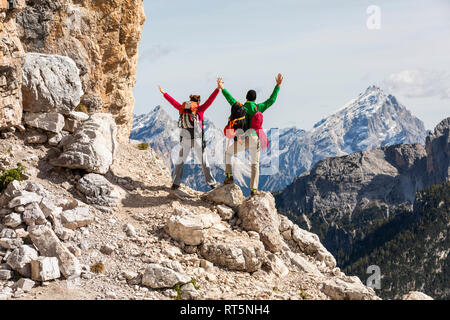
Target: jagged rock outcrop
<point x="92" y="147"/>
<point x="11" y="62"/>
<point x="438" y="151"/>
<point x="51" y="83"/>
<point x="102" y="38"/>
<point x="416" y="295"/>
<point x="259" y="214"/>
<point x="357" y="181"/>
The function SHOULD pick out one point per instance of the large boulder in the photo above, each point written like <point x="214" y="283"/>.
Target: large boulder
<point x="51" y="83"/>
<point x="190" y="228"/>
<point x="230" y="195"/>
<point x="354" y="289"/>
<point x="52" y="121"/>
<point x="20" y="260"/>
<point x="45" y="269"/>
<point x="99" y="191"/>
<point x="309" y="243"/>
<point x="416" y="295"/>
<point x="158" y="277"/>
<point x="48" y="245"/>
<point x="92" y="147"/>
<point x="233" y="253"/>
<point x="259" y="214"/>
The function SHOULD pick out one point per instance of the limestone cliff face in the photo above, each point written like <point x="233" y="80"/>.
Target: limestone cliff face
<point x="11" y="61"/>
<point x="102" y="37"/>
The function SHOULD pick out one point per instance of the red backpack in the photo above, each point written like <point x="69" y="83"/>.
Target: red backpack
<point x="256" y="124"/>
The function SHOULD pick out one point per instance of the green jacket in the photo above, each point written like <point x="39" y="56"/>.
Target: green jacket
<point x="250" y="106"/>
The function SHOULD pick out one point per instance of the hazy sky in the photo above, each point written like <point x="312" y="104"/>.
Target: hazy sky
<point x="324" y="49"/>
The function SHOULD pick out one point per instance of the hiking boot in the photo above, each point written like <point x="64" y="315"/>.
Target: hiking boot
<point x="229" y="180"/>
<point x="214" y="186"/>
<point x="255" y="193"/>
<point x="175" y="187"/>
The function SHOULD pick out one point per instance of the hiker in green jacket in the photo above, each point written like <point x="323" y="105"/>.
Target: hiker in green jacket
<point x="251" y="140"/>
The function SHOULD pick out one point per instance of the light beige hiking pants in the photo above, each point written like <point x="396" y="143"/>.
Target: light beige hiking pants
<point x="252" y="143"/>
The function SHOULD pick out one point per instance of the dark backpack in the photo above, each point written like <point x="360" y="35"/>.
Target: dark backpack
<point x="236" y="121"/>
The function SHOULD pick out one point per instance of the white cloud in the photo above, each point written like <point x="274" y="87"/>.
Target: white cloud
<point x="415" y="83"/>
<point x="155" y="52"/>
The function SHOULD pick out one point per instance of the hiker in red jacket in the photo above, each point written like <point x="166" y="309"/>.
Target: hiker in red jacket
<point x="192" y="135"/>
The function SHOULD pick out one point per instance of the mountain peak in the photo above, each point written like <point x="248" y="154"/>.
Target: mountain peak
<point x="373" y="89"/>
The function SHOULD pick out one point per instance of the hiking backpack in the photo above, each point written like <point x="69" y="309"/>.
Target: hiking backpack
<point x="188" y="115"/>
<point x="256" y="124"/>
<point x="236" y="121"/>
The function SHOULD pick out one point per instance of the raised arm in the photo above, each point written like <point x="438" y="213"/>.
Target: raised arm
<point x="226" y="94"/>
<point x="171" y="100"/>
<point x="273" y="97"/>
<point x="209" y="102"/>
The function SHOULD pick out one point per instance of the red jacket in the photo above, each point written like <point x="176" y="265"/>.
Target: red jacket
<point x="201" y="109"/>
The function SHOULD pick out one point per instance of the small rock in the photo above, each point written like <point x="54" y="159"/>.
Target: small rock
<point x="24" y="284"/>
<point x="13" y="220"/>
<point x="8" y="233"/>
<point x="129" y="274"/>
<point x="19" y="260"/>
<point x="50" y="121"/>
<point x="33" y="215"/>
<point x="205" y="264"/>
<point x="130" y="230"/>
<point x="54" y="139"/>
<point x="107" y="249"/>
<point x="6" y="274"/>
<point x="49" y="208"/>
<point x="24" y="198"/>
<point x="189" y="292"/>
<point x="230" y="195"/>
<point x="36" y="138"/>
<point x="76" y="218"/>
<point x="158" y="277"/>
<point x="9" y="243"/>
<point x="226" y="213"/>
<point x="45" y="269"/>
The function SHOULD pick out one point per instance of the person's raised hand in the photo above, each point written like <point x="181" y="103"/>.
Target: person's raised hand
<point x="279" y="79"/>
<point x="161" y="89"/>
<point x="220" y="84"/>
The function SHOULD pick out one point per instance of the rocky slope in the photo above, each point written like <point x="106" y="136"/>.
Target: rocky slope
<point x="102" y="38"/>
<point x="146" y="242"/>
<point x="373" y="120"/>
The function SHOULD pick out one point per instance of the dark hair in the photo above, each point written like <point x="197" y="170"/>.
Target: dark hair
<point x="195" y="98"/>
<point x="251" y="95"/>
